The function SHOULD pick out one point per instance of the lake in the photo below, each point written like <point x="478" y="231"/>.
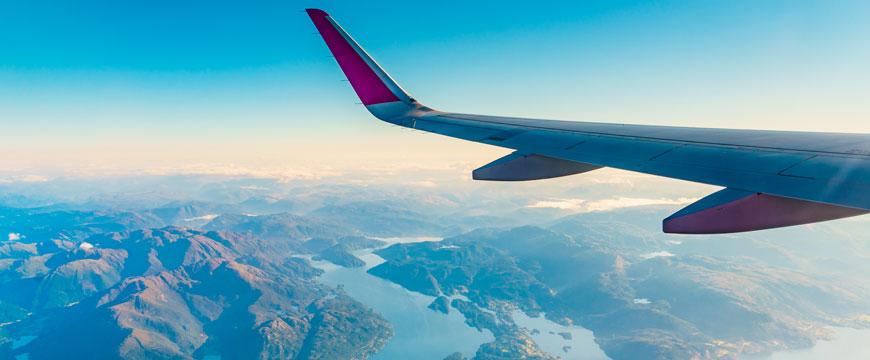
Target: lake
<point x="419" y="332"/>
<point x="580" y="346"/>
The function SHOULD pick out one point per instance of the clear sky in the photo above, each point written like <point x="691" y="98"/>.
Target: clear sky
<point x="138" y="83"/>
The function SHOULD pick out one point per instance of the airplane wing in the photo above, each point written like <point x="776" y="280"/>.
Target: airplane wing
<point x="770" y="178"/>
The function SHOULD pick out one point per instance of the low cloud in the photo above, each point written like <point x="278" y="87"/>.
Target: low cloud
<point x="657" y="254"/>
<point x="14" y="236"/>
<point x="424" y="183"/>
<point x="204" y="217"/>
<point x="31" y="178"/>
<point x="624" y="202"/>
<point x="564" y="204"/>
<point x="581" y="205"/>
<point x="24" y="179"/>
<point x="283" y="173"/>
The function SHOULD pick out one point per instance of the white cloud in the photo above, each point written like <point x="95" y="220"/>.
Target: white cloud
<point x="86" y="246"/>
<point x="643" y="301"/>
<point x="657" y="254"/>
<point x="204" y="217"/>
<point x="564" y="204"/>
<point x="31" y="178"/>
<point x="424" y="183"/>
<point x="283" y="173"/>
<point x="24" y="179"/>
<point x="620" y="179"/>
<point x="581" y="205"/>
<point x="14" y="236"/>
<point x="624" y="202"/>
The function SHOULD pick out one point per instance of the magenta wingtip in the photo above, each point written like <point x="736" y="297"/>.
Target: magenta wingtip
<point x="312" y="12"/>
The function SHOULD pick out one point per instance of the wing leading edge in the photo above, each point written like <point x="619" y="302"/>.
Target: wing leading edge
<point x="772" y="178"/>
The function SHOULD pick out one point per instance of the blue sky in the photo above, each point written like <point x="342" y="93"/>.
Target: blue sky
<point x="128" y="82"/>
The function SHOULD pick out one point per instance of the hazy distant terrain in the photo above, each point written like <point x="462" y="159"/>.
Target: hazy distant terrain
<point x="192" y="266"/>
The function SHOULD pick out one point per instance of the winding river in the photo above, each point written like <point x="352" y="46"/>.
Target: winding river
<point x="419" y="332"/>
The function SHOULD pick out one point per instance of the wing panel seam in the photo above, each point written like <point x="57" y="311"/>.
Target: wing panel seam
<point x="594" y="133"/>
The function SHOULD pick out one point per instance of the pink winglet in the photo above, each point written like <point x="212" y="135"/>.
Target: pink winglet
<point x="370" y="88"/>
<point x="730" y="211"/>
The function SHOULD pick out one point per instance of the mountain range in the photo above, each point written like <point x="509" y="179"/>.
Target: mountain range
<point x="222" y="268"/>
